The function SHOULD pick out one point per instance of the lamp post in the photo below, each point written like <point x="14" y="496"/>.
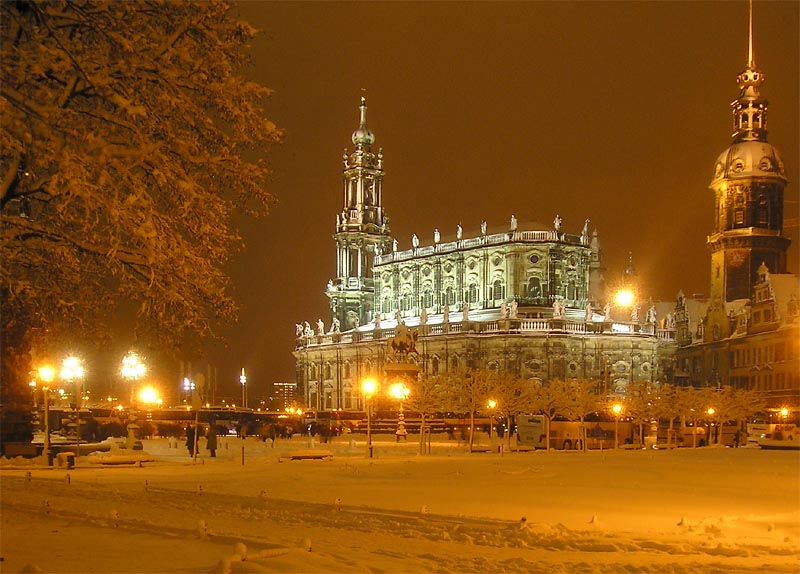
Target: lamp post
<point x="369" y="387"/>
<point x="617" y="410"/>
<point x="72" y="372"/>
<point x="46" y="374"/>
<point x="400" y="392"/>
<point x="243" y="381"/>
<point x="133" y="369"/>
<point x="491" y="404"/>
<point x="710" y="412"/>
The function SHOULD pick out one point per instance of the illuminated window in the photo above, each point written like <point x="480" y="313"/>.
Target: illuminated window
<point x="450" y="296"/>
<point x="472" y="293"/>
<point x="498" y="290"/>
<point x="738" y="217"/>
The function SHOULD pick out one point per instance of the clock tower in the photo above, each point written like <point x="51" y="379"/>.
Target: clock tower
<point x="748" y="186"/>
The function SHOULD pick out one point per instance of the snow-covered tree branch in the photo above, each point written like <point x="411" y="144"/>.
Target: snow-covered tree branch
<point x="129" y="137"/>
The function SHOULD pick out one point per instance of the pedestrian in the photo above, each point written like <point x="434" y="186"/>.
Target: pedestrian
<point x="211" y="440"/>
<point x="190" y="435"/>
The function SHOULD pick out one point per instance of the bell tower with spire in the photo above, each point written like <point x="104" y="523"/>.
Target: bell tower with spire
<point x="362" y="230"/>
<point x="748" y="185"/>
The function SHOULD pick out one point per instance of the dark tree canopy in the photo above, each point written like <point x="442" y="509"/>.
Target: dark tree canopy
<point x="129" y="137"/>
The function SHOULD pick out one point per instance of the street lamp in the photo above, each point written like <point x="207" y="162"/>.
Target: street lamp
<point x="46" y="374"/>
<point x="617" y="410"/>
<point x="491" y="404"/>
<point x="400" y="392"/>
<point x="133" y="369"/>
<point x="710" y="412"/>
<point x="369" y="387"/>
<point x="72" y="371"/>
<point x="243" y="381"/>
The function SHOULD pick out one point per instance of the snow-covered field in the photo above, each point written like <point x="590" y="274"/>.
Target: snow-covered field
<point x="711" y="510"/>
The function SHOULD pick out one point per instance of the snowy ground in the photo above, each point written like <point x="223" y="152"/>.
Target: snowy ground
<point x="696" y="511"/>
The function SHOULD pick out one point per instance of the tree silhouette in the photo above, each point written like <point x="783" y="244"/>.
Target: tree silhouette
<point x="129" y="138"/>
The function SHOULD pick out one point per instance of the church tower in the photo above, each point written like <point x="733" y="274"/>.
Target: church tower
<point x="748" y="185"/>
<point x="362" y="230"/>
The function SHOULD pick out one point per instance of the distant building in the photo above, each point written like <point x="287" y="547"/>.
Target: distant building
<point x="282" y="395"/>
<point x="530" y="301"/>
<point x="747" y="333"/>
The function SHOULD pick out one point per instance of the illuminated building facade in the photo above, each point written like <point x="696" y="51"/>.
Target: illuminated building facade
<point x="529" y="301"/>
<point x="747" y="333"/>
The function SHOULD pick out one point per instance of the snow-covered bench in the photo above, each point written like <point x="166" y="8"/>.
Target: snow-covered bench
<point x="308" y="455"/>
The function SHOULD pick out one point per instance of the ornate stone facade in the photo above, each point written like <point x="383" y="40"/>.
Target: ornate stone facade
<point x="525" y="301"/>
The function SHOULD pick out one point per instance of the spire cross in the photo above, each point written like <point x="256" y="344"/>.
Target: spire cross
<point x="750" y="62"/>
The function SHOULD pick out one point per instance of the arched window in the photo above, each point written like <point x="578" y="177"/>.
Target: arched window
<point x="454" y="363"/>
<point x="313" y="372"/>
<point x="435" y="366"/>
<point x="498" y="290"/>
<point x="472" y="293"/>
<point x="450" y="295"/>
<point x="328" y="371"/>
<point x="427" y="298"/>
<point x="405" y="301"/>
<point x="347" y="370"/>
<point x="534" y="288"/>
<point x="386" y="307"/>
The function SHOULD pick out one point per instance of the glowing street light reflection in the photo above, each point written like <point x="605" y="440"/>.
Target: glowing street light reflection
<point x="369" y="387"/>
<point x="617" y="410"/>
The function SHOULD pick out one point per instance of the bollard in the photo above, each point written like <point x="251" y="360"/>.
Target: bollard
<point x="242" y="455"/>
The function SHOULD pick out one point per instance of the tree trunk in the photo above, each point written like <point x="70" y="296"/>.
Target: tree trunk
<point x="670" y="431"/>
<point x="547" y="433"/>
<point x="471" y="429"/>
<point x="508" y="433"/>
<point x="422" y="435"/>
<point x="583" y="435"/>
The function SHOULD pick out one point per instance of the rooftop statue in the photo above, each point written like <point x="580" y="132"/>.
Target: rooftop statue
<point x="459" y="232"/>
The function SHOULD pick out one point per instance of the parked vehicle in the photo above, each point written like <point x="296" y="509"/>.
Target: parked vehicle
<point x="784" y="437"/>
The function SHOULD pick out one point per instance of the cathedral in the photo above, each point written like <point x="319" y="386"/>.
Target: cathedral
<point x="747" y="333"/>
<point x="533" y="301"/>
<point x="528" y="301"/>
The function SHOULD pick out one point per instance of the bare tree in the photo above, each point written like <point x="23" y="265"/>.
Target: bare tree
<point x="467" y="391"/>
<point x="426" y="396"/>
<point x="513" y="396"/>
<point x="545" y="400"/>
<point x="691" y="403"/>
<point x="129" y="138"/>
<point x="668" y="406"/>
<point x="575" y="400"/>
<point x="640" y="404"/>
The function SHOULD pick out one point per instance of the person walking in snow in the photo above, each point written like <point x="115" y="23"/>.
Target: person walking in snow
<point x="190" y="436"/>
<point x="211" y="440"/>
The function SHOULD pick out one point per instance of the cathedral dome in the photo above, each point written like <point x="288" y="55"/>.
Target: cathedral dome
<point x="749" y="159"/>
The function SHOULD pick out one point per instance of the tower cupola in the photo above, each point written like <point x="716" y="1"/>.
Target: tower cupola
<point x="748" y="184"/>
